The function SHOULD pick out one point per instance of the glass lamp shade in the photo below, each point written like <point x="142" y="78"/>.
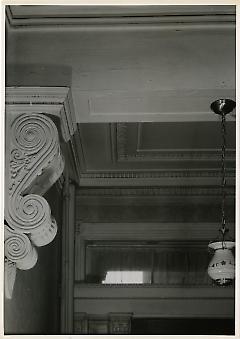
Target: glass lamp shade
<point x="222" y="265"/>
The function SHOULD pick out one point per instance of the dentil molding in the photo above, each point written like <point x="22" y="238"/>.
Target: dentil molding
<point x="154" y="191"/>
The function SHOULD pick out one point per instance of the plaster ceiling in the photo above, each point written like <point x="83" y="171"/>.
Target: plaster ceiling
<point x="163" y="72"/>
<point x="141" y="72"/>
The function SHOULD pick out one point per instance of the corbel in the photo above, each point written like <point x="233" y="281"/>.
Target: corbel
<point x="33" y="163"/>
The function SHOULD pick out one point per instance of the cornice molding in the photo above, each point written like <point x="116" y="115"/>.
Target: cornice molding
<point x="184" y="177"/>
<point x="156" y="17"/>
<point x="157" y="174"/>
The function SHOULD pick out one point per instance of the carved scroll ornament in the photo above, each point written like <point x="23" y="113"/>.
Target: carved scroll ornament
<point x="35" y="163"/>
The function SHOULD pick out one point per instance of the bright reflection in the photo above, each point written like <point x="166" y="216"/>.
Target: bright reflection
<point x="126" y="277"/>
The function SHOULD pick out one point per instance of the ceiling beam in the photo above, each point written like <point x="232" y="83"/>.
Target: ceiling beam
<point x="171" y="105"/>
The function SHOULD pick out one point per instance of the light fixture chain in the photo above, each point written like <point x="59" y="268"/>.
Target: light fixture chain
<point x="221" y="267"/>
<point x="223" y="167"/>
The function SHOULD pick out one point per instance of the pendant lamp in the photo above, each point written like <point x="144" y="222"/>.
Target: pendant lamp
<point x="221" y="268"/>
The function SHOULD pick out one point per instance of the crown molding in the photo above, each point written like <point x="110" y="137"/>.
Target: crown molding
<point x="155" y="17"/>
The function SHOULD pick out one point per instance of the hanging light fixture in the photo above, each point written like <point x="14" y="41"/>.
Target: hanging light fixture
<point x="222" y="265"/>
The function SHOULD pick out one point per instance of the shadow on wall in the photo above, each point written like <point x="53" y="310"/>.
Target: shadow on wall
<point x="38" y="75"/>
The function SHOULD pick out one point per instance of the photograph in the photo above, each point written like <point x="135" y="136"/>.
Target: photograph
<point x="120" y="169"/>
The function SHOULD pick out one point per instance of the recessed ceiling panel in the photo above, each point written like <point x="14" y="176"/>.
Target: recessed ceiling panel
<point x="156" y="146"/>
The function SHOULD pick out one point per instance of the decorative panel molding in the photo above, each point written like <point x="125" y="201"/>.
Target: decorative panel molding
<point x="33" y="164"/>
<point x="162" y="154"/>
